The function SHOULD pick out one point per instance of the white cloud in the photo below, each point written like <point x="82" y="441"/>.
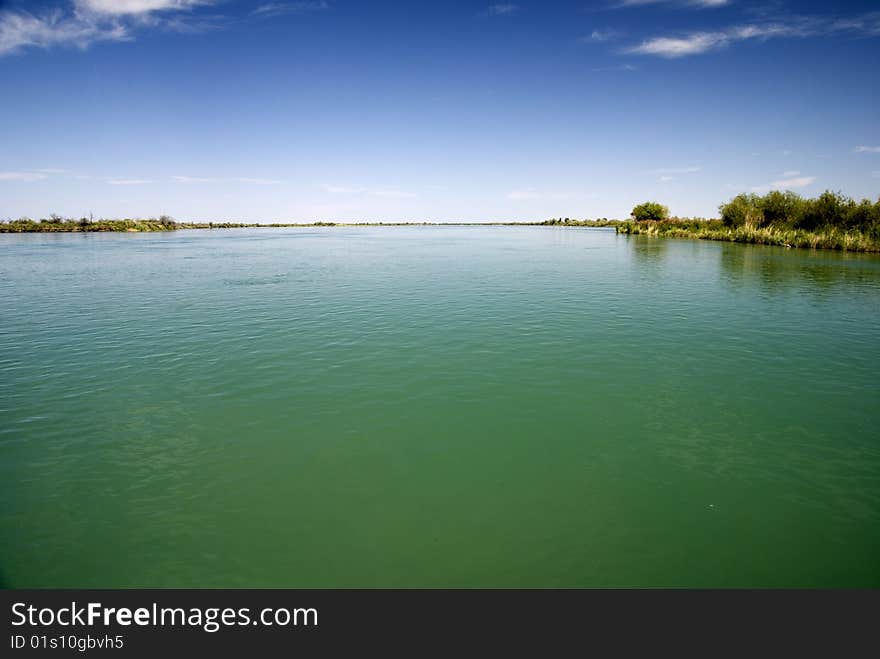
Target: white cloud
<point x="192" y="179"/>
<point x="523" y="194"/>
<point x="677" y="47"/>
<point x="787" y="184"/>
<point x="503" y="9"/>
<point x="22" y="176"/>
<point x="19" y="30"/>
<point x="83" y="22"/>
<point x="130" y="7"/>
<point x="796" y="182"/>
<point x="127" y="181"/>
<point x="699" y="42"/>
<point x="790" y="174"/>
<point x="664" y="179"/>
<point x="867" y="149"/>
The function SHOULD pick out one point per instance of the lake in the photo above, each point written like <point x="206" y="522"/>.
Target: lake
<point x="436" y="406"/>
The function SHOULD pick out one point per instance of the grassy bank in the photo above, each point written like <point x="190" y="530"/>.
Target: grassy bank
<point x="824" y="238"/>
<point x="830" y="221"/>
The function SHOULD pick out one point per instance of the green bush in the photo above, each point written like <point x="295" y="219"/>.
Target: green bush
<point x="650" y="210"/>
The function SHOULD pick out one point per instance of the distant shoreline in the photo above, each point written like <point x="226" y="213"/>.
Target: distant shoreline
<point x="138" y="225"/>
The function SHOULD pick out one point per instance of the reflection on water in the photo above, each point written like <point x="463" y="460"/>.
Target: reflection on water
<point x="648" y="252"/>
<point x="811" y="271"/>
<point x="436" y="406"/>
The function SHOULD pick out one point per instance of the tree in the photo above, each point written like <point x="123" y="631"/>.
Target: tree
<point x="741" y="210"/>
<point x="781" y="207"/>
<point x="650" y="210"/>
<point x="829" y="208"/>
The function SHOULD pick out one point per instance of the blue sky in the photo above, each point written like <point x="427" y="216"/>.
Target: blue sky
<point x="430" y="110"/>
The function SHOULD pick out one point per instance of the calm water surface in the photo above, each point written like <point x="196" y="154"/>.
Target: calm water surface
<point x="437" y="406"/>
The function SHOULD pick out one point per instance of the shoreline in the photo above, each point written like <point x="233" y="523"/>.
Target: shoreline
<point x="830" y="238"/>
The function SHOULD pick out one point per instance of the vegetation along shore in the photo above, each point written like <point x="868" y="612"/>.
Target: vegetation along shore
<point x="830" y="221"/>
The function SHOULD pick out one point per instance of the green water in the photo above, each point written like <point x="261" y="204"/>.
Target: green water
<point x="436" y="406"/>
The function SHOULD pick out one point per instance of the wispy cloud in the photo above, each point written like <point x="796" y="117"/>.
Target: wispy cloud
<point x="697" y="4"/>
<point x="619" y="67"/>
<point x="84" y="22"/>
<point x="258" y="181"/>
<point x="341" y="189"/>
<point x="22" y="176"/>
<point x="867" y="149"/>
<point x="363" y="190"/>
<point x="192" y="179"/>
<point x="393" y="194"/>
<point x="127" y="181"/>
<point x="786" y="184"/>
<point x="701" y="42"/>
<point x="20" y="30"/>
<point x="790" y="174"/>
<point x="667" y="174"/>
<point x="695" y="43"/>
<point x="271" y="9"/>
<point x="675" y="170"/>
<point x="523" y="194"/>
<point x="136" y="7"/>
<point x="599" y="36"/>
<point x="504" y="9"/>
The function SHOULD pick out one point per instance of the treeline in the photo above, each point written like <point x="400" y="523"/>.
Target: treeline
<point x="54" y="223"/>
